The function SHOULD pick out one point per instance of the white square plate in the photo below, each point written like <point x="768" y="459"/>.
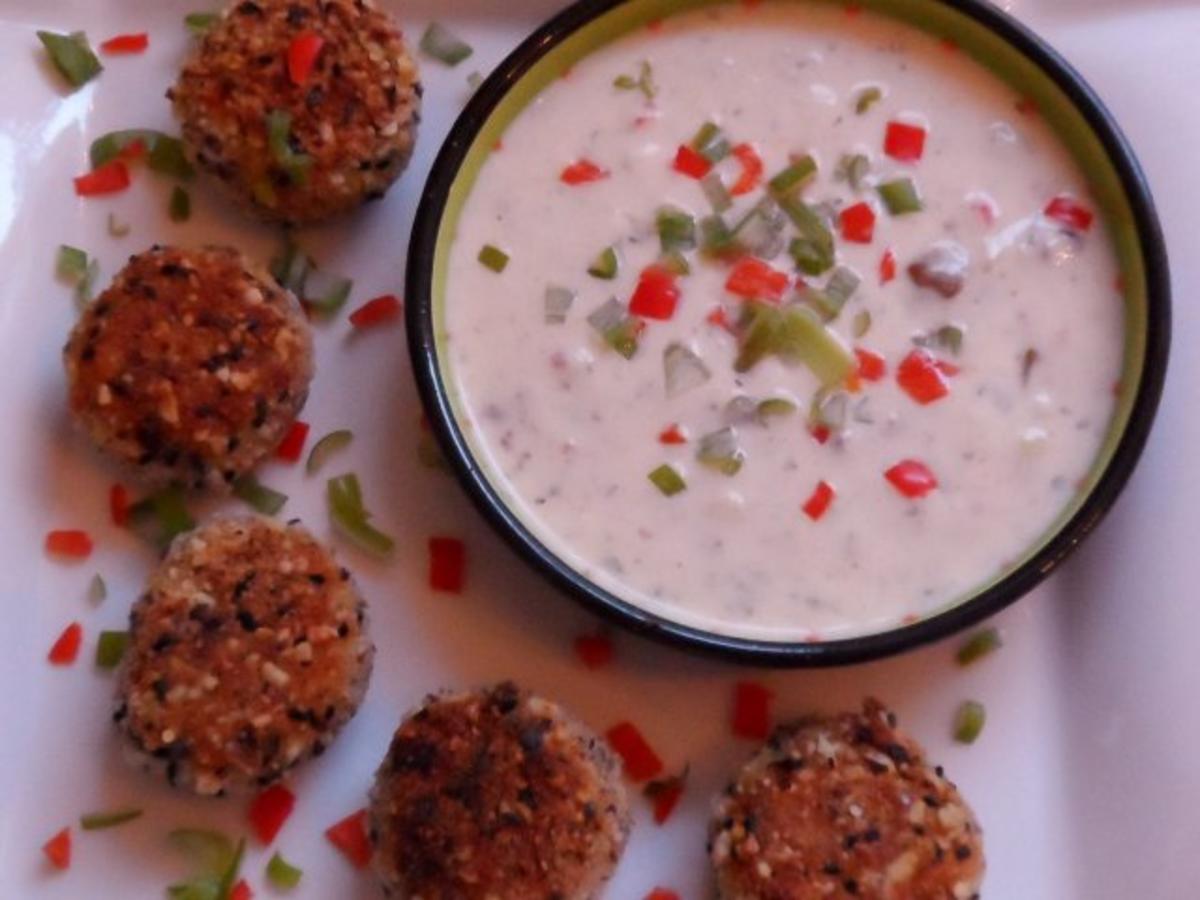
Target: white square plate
<point x="1084" y="778"/>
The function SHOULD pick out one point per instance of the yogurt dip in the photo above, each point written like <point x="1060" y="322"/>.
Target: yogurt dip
<point x="783" y="323"/>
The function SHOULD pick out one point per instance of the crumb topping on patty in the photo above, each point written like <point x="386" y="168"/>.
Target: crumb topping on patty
<point x="496" y="794"/>
<point x="845" y="807"/>
<point x="246" y="654"/>
<point x="190" y="366"/>
<point x="351" y="124"/>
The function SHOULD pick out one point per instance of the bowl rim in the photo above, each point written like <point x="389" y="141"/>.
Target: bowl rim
<point x="977" y="606"/>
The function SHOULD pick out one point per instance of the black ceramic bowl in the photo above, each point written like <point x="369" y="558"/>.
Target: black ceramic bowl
<point x="995" y="40"/>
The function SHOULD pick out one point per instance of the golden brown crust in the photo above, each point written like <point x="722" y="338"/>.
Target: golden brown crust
<point x="190" y="367"/>
<point x="247" y="654"/>
<point x="496" y="794"/>
<point x="845" y="807"/>
<point x="354" y="117"/>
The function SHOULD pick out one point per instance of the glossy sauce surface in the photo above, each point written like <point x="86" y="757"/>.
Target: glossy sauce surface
<point x="572" y="429"/>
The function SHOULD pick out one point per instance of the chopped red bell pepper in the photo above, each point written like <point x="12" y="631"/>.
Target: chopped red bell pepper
<point x="269" y="810"/>
<point x="911" y="478"/>
<point x="66" y="649"/>
<point x="70" y="543"/>
<point x="118" y="505"/>
<point x="1068" y="211"/>
<point x="666" y="801"/>
<point x="660" y="893"/>
<point x="921" y="378"/>
<point x="720" y="318"/>
<point x="594" y="650"/>
<point x="871" y="366"/>
<point x="58" y="849"/>
<point x="109" y="178"/>
<point x="583" y="171"/>
<point x="350" y="837"/>
<point x="302" y="56"/>
<point x="665" y="795"/>
<point x="753" y="279"/>
<point x="691" y="162"/>
<point x="447" y="564"/>
<point x="291" y="448"/>
<point x="672" y="435"/>
<point x="858" y="223"/>
<point x="887" y="267"/>
<point x="819" y="501"/>
<point x="241" y="891"/>
<point x="820" y="434"/>
<point x="641" y="762"/>
<point x="126" y="43"/>
<point x="752" y="170"/>
<point x="751" y="710"/>
<point x="904" y="142"/>
<point x="656" y="294"/>
<point x="377" y="311"/>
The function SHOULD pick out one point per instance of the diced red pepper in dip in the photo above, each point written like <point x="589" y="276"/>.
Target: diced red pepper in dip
<point x="70" y="543"/>
<point x="447" y="564"/>
<point x="377" y="311"/>
<point x="640" y="760"/>
<point x="66" y="649"/>
<point x="594" y="650"/>
<point x="819" y="501"/>
<point x="1068" y="211"/>
<point x="887" y="267"/>
<point x="911" y="478"/>
<point x="58" y="849"/>
<point x="871" y="366"/>
<point x="350" y="836"/>
<point x="126" y="43"/>
<point x="904" y="142"/>
<point x="582" y="171"/>
<point x="118" y="505"/>
<point x="719" y="318"/>
<point x="269" y="810"/>
<point x="291" y="448"/>
<point x="752" y="170"/>
<point x="858" y="223"/>
<point x="672" y="435"/>
<point x="820" y="433"/>
<point x="921" y="378"/>
<point x="109" y="178"/>
<point x="753" y="279"/>
<point x="302" y="56"/>
<point x="663" y="893"/>
<point x="751" y="710"/>
<point x="241" y="891"/>
<point x="655" y="295"/>
<point x="691" y="163"/>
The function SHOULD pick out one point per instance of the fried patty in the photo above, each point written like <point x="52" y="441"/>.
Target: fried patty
<point x="496" y="794"/>
<point x="247" y="653"/>
<point x="844" y="807"/>
<point x="190" y="368"/>
<point x="342" y="136"/>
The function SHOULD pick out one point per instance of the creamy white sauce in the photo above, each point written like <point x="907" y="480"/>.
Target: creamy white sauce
<point x="569" y="429"/>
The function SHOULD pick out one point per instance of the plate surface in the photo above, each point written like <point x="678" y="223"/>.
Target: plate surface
<point x="1084" y="779"/>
